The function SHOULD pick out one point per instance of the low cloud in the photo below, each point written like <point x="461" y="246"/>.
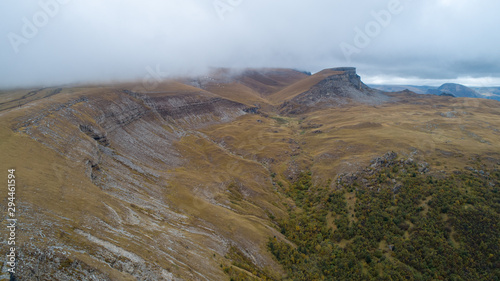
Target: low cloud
<point x="51" y="42"/>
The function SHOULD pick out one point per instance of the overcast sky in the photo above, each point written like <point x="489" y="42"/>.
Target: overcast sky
<point x="56" y="42"/>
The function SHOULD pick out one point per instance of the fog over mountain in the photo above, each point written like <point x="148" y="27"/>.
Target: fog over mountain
<point x="250" y="140"/>
<point x="52" y="42"/>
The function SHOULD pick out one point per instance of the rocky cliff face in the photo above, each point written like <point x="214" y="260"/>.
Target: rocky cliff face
<point x="334" y="90"/>
<point x="124" y="143"/>
<point x="123" y="184"/>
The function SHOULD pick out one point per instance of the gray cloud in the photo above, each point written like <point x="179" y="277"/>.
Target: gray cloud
<point x="51" y="42"/>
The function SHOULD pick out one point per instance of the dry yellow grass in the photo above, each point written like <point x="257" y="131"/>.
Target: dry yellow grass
<point x="237" y="92"/>
<point x="301" y="86"/>
<point x="221" y="184"/>
<point x="352" y="136"/>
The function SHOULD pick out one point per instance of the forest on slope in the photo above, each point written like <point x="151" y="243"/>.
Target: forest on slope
<point x="398" y="220"/>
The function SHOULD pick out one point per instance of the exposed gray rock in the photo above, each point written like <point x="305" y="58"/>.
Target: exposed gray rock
<point x="384" y="161"/>
<point x="449" y="114"/>
<point x="333" y="91"/>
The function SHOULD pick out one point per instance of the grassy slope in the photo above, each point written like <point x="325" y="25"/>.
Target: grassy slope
<point x="300" y="86"/>
<point x="49" y="190"/>
<point x="226" y="181"/>
<point x="237" y="92"/>
<point x="353" y="136"/>
<point x="269" y="81"/>
<point x="253" y="86"/>
<point x="63" y="195"/>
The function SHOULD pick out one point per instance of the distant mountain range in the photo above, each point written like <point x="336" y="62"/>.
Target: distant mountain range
<point x="489" y="92"/>
<point x="457" y="90"/>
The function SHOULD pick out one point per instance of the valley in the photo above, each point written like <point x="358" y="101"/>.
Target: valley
<point x="211" y="178"/>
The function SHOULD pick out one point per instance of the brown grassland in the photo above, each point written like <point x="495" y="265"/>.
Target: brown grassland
<point x="224" y="182"/>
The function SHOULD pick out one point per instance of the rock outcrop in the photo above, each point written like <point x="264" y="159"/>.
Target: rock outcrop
<point x="124" y="143"/>
<point x="333" y="91"/>
<point x="120" y="183"/>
